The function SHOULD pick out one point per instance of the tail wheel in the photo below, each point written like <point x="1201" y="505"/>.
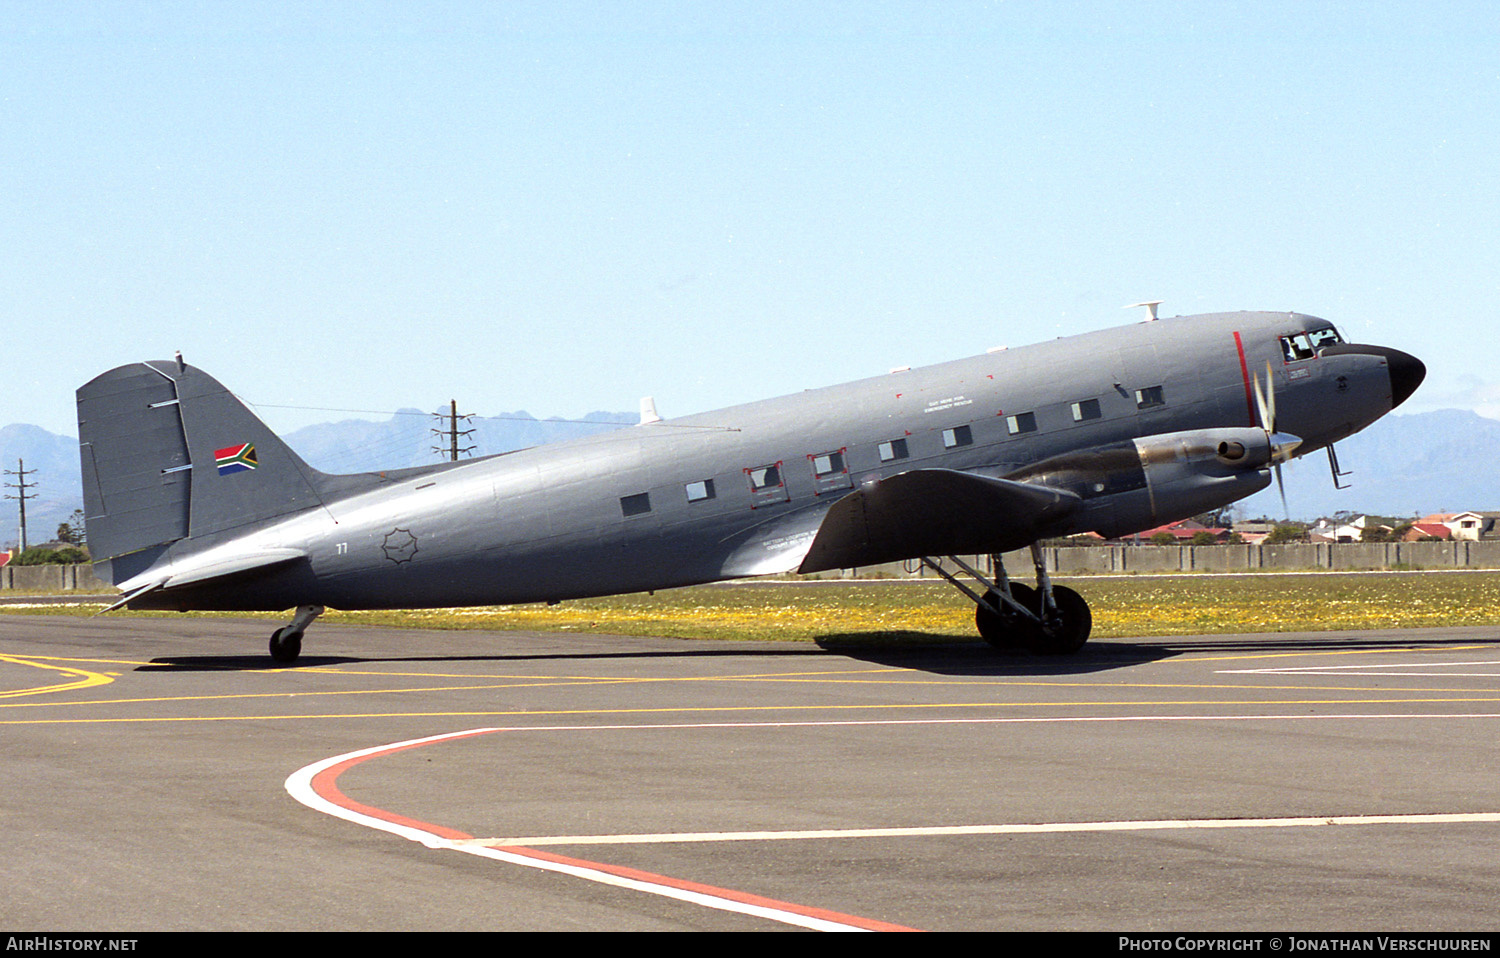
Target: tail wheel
<point x="1067" y="633"/>
<point x="1008" y="629"/>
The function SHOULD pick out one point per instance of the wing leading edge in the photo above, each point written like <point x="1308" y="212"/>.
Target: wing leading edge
<point x="933" y="512"/>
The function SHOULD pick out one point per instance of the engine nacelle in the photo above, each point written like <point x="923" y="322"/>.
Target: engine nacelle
<point x="1146" y="482"/>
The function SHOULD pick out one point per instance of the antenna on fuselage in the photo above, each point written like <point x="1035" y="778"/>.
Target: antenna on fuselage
<point x="1150" y="309"/>
<point x="648" y="411"/>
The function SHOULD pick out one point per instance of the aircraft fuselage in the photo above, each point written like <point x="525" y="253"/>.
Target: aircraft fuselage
<point x="741" y="491"/>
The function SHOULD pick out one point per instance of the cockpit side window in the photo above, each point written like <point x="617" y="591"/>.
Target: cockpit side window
<point x="1300" y="346"/>
<point x="1296" y="348"/>
<point x="1326" y="336"/>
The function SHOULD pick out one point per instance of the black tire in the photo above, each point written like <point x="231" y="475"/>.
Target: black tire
<point x="1074" y="623"/>
<point x="286" y="645"/>
<point x="1008" y="629"/>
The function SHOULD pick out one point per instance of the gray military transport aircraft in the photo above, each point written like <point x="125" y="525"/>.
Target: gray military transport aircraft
<point x="193" y="503"/>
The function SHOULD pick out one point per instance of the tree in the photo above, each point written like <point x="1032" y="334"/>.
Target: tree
<point x="72" y="531"/>
<point x="66" y="556"/>
<point x="1287" y="532"/>
<point x="1216" y="519"/>
<point x="1164" y="539"/>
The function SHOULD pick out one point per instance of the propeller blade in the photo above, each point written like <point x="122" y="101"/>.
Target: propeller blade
<point x="1264" y="409"/>
<point x="1286" y="510"/>
<point x="1270" y="399"/>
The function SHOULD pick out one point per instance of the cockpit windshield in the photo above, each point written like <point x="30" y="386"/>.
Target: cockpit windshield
<point x="1302" y="346"/>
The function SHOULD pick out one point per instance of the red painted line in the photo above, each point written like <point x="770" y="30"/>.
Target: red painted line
<point x="1245" y="372"/>
<point x="745" y="898"/>
<point x="325" y="785"/>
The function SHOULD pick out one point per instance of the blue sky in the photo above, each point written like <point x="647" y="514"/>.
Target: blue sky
<point x="563" y="207"/>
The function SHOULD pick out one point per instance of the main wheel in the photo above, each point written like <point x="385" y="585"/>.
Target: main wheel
<point x="1007" y="629"/>
<point x="286" y="645"/>
<point x="1067" y="633"/>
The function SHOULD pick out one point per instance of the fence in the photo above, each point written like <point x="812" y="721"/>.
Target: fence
<point x="52" y="578"/>
<point x="1289" y="557"/>
<point x="1063" y="560"/>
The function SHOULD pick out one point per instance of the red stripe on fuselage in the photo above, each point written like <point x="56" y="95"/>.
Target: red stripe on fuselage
<point x="1245" y="372"/>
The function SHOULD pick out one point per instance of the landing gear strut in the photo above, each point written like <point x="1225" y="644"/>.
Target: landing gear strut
<point x="286" y="642"/>
<point x="1047" y="620"/>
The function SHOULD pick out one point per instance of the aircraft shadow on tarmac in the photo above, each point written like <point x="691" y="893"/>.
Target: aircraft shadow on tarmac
<point x="927" y="652"/>
<point x="260" y="663"/>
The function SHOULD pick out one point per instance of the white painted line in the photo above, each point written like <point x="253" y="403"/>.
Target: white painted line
<point x="1045" y="828"/>
<point x="304" y="786"/>
<point x="313" y="786"/>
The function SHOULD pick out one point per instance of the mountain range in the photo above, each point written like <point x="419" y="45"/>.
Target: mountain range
<point x="1403" y="465"/>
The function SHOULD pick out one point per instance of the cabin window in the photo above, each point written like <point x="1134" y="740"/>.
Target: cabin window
<point x="767" y="484"/>
<point x="764" y="477"/>
<point x="1086" y="410"/>
<point x="636" y="505"/>
<point x="828" y="464"/>
<point x="893" y="450"/>
<point x="1021" y="422"/>
<point x="700" y="490"/>
<point x="958" y="436"/>
<point x="830" y="471"/>
<point x="1149" y="397"/>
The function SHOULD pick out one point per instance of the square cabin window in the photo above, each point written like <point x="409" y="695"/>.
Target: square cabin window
<point x="828" y="464"/>
<point x="636" y="505"/>
<point x="958" y="436"/>
<point x="893" y="450"/>
<point x="767" y="485"/>
<point x="764" y="477"/>
<point x="700" y="490"/>
<point x="1149" y="397"/>
<point x="1086" y="410"/>
<point x="1021" y="422"/>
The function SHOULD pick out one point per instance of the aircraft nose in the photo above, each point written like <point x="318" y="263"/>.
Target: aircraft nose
<point x="1407" y="373"/>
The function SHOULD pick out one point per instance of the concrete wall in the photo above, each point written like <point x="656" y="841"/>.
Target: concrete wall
<point x="1288" y="557"/>
<point x="52" y="578"/>
<point x="1064" y="560"/>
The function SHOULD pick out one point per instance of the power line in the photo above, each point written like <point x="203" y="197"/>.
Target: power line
<point x="550" y="419"/>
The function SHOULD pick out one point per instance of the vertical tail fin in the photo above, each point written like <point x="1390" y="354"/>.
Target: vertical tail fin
<point x="168" y="453"/>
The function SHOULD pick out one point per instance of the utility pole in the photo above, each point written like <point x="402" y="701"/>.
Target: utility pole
<point x="21" y="485"/>
<point x="453" y="432"/>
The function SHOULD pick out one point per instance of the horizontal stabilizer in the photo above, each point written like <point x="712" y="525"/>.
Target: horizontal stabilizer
<point x="213" y="564"/>
<point x="933" y="512"/>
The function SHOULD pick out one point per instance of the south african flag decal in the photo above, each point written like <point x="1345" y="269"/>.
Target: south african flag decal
<point x="235" y="459"/>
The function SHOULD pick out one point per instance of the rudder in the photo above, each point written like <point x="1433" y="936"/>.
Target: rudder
<point x="167" y="453"/>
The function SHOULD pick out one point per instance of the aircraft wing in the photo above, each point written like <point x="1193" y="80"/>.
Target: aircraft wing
<point x="933" y="512"/>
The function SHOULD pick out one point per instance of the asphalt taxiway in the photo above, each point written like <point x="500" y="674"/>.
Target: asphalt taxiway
<point x="160" y="775"/>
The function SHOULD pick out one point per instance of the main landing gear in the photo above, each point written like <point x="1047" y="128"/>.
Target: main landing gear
<point x="1047" y="620"/>
<point x="286" y="642"/>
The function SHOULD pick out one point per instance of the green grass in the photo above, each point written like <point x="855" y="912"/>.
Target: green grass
<point x="1156" y="605"/>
